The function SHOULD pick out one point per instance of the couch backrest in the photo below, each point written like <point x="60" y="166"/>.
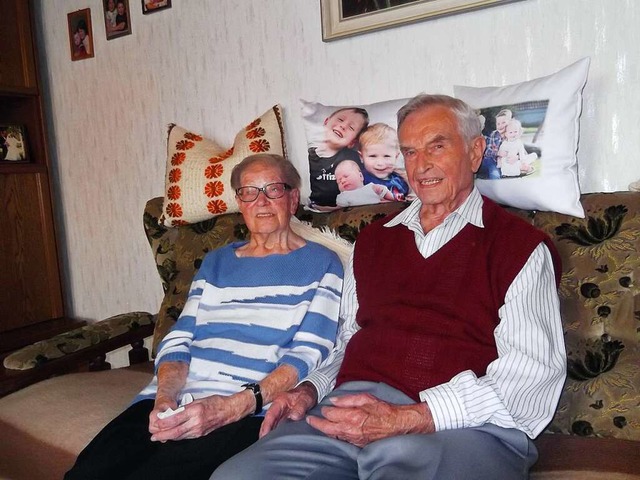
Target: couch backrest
<point x="600" y="295"/>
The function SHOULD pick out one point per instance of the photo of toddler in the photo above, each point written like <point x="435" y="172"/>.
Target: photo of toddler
<point x="379" y="152"/>
<point x="513" y="159"/>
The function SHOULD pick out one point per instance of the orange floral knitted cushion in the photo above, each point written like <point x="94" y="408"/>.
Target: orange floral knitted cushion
<point x="199" y="170"/>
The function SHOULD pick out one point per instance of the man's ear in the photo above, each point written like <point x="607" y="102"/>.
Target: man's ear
<point x="325" y="121"/>
<point x="477" y="147"/>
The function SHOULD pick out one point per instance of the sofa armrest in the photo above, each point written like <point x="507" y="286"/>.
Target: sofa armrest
<point x="80" y="349"/>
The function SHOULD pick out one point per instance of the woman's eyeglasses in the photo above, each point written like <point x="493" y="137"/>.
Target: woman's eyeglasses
<point x="271" y="190"/>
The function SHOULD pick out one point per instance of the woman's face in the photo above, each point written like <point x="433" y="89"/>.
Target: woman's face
<point x="265" y="215"/>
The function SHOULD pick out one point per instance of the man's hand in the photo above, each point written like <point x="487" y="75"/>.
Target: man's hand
<point x="362" y="418"/>
<point x="201" y="417"/>
<point x="293" y="405"/>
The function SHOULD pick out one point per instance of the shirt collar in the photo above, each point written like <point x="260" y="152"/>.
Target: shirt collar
<point x="470" y="211"/>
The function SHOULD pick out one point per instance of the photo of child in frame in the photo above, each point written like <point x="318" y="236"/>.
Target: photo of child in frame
<point x="514" y="136"/>
<point x="13" y="146"/>
<point x="80" y="34"/>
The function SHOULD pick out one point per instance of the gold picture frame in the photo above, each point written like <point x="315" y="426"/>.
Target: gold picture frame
<point x="344" y="18"/>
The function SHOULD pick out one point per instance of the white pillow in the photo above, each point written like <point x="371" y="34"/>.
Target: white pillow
<point x="549" y="110"/>
<point x="382" y="126"/>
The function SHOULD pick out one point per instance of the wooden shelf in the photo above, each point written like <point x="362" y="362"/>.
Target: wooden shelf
<point x="31" y="296"/>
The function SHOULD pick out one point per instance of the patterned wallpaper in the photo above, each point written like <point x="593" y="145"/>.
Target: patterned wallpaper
<point x="211" y="66"/>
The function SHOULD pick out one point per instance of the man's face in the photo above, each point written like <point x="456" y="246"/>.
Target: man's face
<point x="342" y="128"/>
<point x="380" y="159"/>
<point x="348" y="176"/>
<point x="439" y="164"/>
<point x="121" y="9"/>
<point x="81" y="33"/>
<point x="501" y="123"/>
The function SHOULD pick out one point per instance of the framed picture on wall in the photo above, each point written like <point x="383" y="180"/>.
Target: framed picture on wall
<point x="117" y="20"/>
<point x="80" y="34"/>
<point x="150" y="6"/>
<point x="13" y="144"/>
<point x="343" y="18"/>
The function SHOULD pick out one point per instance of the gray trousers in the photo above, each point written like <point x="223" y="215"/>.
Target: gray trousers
<point x="295" y="450"/>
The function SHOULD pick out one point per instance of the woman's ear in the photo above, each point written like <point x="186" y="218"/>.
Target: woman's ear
<point x="295" y="201"/>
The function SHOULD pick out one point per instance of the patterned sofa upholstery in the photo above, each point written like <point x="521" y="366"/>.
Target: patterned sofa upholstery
<point x="594" y="434"/>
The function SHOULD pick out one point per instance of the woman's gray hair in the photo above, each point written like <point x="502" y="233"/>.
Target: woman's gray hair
<point x="289" y="173"/>
<point x="469" y="124"/>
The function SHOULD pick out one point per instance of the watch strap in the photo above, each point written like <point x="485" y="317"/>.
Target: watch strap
<point x="255" y="388"/>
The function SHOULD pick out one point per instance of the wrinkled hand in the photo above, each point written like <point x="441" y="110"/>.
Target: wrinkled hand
<point x="199" y="417"/>
<point x="362" y="418"/>
<point x="292" y="405"/>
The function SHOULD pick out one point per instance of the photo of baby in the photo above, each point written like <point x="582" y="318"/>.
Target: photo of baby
<point x="514" y="136"/>
<point x="353" y="191"/>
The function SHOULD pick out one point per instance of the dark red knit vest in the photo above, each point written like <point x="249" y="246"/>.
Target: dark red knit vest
<point x="425" y="320"/>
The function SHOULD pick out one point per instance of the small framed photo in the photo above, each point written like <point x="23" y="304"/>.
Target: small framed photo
<point x="150" y="6"/>
<point x="13" y="144"/>
<point x="117" y="20"/>
<point x="80" y="34"/>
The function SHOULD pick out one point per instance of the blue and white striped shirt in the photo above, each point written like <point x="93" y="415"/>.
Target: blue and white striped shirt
<point x="245" y="316"/>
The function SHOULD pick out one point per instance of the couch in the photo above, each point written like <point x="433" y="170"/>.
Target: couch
<point x="595" y="433"/>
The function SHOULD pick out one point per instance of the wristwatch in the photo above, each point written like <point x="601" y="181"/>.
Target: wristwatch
<point x="255" y="388"/>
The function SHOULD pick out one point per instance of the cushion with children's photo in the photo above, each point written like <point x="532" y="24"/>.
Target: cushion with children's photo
<point x="532" y="132"/>
<point x="354" y="156"/>
<point x="197" y="184"/>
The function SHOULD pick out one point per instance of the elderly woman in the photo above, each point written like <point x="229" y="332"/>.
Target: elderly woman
<point x="259" y="316"/>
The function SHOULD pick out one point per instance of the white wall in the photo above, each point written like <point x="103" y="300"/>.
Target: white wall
<point x="212" y="66"/>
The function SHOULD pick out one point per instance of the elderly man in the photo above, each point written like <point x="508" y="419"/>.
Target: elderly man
<point x="449" y="370"/>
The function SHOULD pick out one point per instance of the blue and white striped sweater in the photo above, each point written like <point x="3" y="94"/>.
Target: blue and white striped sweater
<point x="246" y="316"/>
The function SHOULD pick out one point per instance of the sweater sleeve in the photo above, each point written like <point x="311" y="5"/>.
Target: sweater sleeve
<point x="316" y="335"/>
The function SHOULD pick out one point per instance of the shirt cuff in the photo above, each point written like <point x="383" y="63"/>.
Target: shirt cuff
<point x="447" y="411"/>
<point x="321" y="383"/>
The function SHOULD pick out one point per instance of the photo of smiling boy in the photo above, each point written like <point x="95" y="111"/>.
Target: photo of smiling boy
<point x="341" y="131"/>
<point x="379" y="153"/>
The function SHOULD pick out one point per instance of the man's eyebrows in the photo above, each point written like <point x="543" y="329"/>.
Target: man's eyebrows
<point x="427" y="141"/>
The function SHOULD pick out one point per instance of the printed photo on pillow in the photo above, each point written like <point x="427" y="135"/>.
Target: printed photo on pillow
<point x="354" y="155"/>
<point x="514" y="134"/>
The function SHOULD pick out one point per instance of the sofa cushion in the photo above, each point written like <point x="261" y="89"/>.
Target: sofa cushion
<point x="47" y="424"/>
<point x="549" y="108"/>
<point x="600" y="302"/>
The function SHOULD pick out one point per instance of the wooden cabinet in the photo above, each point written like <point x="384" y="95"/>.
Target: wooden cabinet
<point x="31" y="295"/>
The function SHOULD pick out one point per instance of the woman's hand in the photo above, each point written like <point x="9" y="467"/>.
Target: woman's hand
<point x="292" y="405"/>
<point x="202" y="416"/>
